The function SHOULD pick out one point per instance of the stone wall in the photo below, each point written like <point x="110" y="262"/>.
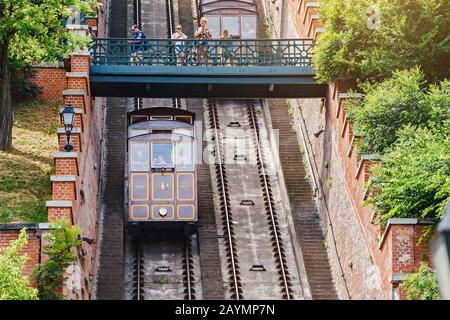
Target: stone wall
<point x="367" y="262"/>
<point x="336" y="206"/>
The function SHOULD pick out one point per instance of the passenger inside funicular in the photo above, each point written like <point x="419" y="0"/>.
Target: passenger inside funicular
<point x="162" y="155"/>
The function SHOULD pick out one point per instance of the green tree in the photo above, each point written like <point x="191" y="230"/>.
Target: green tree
<point x="413" y="178"/>
<point x="421" y="285"/>
<point x="370" y="39"/>
<point x="13" y="285"/>
<point x="387" y="107"/>
<point x="63" y="240"/>
<point x="33" y="32"/>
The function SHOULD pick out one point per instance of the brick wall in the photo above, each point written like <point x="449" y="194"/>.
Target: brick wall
<point x="83" y="163"/>
<point x="10" y="232"/>
<point x="372" y="259"/>
<point x="76" y="180"/>
<point x="373" y="262"/>
<point x="75" y="183"/>
<point x="51" y="80"/>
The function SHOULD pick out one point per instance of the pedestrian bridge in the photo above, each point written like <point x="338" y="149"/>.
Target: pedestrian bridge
<point x="193" y="68"/>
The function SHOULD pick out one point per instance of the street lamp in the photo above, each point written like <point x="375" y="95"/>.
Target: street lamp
<point x="68" y="118"/>
<point x="440" y="249"/>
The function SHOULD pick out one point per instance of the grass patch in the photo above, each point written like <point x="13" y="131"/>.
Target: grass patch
<point x="26" y="167"/>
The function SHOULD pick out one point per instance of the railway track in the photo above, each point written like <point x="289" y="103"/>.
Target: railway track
<point x="161" y="266"/>
<point x="255" y="248"/>
<point x="164" y="268"/>
<point x="169" y="26"/>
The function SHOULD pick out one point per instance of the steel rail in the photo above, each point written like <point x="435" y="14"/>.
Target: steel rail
<point x="188" y="269"/>
<point x="138" y="270"/>
<point x="224" y="192"/>
<point x="266" y="190"/>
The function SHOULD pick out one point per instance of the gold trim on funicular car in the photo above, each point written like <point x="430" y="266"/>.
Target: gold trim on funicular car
<point x="140" y="205"/>
<point x="154" y="186"/>
<point x="157" y="216"/>
<point x="186" y="205"/>
<point x="193" y="184"/>
<point x="132" y="186"/>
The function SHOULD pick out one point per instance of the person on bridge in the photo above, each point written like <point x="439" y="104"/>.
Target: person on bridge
<point x="138" y="45"/>
<point x="202" y="33"/>
<point x="179" y="45"/>
<point x="226" y="47"/>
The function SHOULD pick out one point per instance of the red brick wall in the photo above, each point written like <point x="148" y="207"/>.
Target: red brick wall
<point x="31" y="249"/>
<point x="83" y="193"/>
<point x="51" y="81"/>
<point x="66" y="166"/>
<point x="55" y="214"/>
<point x="373" y="265"/>
<point x="303" y="17"/>
<point x="368" y="267"/>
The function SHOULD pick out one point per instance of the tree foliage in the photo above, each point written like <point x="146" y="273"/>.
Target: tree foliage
<point x="402" y="100"/>
<point x="370" y="39"/>
<point x="13" y="285"/>
<point x="63" y="240"/>
<point x="421" y="285"/>
<point x="34" y="30"/>
<point x="413" y="178"/>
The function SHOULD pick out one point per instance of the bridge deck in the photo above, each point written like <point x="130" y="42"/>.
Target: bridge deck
<point x="162" y="68"/>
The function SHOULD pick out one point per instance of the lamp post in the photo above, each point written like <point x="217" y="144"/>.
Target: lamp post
<point x="68" y="118"/>
<point x="440" y="249"/>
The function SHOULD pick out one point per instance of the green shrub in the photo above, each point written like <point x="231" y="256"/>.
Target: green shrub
<point x="413" y="178"/>
<point x="394" y="103"/>
<point x="421" y="285"/>
<point x="60" y="251"/>
<point x="14" y="286"/>
<point x="370" y="39"/>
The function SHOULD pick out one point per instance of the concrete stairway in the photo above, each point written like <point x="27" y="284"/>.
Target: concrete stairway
<point x="110" y="270"/>
<point x="304" y="211"/>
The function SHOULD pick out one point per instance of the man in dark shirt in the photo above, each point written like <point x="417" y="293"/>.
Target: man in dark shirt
<point x="138" y="45"/>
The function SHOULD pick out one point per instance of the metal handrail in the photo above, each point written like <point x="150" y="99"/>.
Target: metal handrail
<point x="202" y="52"/>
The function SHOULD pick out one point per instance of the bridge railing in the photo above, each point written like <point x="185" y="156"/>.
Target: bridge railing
<point x="194" y="52"/>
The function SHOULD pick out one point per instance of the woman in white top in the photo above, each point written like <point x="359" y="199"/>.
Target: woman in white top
<point x="202" y="33"/>
<point x="179" y="45"/>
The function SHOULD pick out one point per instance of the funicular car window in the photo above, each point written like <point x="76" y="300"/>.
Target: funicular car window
<point x="137" y="132"/>
<point x="231" y="23"/>
<point x="214" y="26"/>
<point x="161" y="118"/>
<point x="139" y="156"/>
<point x="162" y="155"/>
<point x="184" y="131"/>
<point x="185" y="159"/>
<point x="248" y="27"/>
<point x="138" y="118"/>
